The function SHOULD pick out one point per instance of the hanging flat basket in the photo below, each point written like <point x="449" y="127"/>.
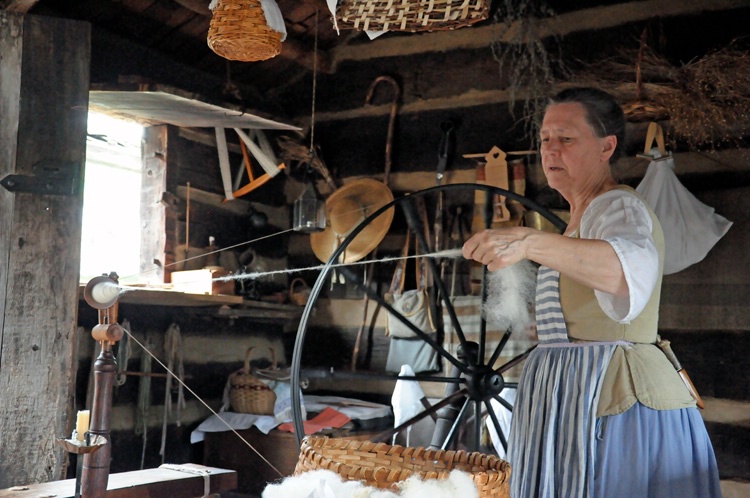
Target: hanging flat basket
<point x="239" y="32"/>
<point x="410" y="15"/>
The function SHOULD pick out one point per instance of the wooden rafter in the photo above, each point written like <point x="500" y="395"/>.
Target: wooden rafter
<point x="21" y="6"/>
<point x="572" y="22"/>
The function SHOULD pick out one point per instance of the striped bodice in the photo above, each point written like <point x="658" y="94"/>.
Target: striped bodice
<point x="550" y="322"/>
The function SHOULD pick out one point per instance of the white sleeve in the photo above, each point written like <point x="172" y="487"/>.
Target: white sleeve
<point x="622" y="219"/>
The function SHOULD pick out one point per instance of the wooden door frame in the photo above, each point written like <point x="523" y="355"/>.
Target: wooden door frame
<point x="44" y="107"/>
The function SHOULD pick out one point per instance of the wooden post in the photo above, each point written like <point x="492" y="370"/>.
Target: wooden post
<point x="44" y="80"/>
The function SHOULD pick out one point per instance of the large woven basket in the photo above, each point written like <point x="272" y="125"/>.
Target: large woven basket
<point x="410" y="15"/>
<point x="249" y="394"/>
<point x="382" y="465"/>
<point x="238" y="31"/>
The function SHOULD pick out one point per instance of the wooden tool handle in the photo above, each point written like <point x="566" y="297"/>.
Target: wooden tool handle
<point x="693" y="391"/>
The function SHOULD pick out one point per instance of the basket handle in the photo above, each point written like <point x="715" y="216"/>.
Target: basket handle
<point x="246" y="368"/>
<point x="294" y="283"/>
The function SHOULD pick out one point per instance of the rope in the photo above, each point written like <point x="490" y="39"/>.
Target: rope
<point x="144" y="402"/>
<point x="124" y="352"/>
<point x="173" y="350"/>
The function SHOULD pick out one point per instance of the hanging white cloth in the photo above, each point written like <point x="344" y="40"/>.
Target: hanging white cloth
<point x="691" y="228"/>
<point x="406" y="400"/>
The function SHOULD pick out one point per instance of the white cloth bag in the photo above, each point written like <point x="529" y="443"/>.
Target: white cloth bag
<point x="691" y="228"/>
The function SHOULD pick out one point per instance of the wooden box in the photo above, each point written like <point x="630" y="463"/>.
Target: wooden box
<point x="202" y="281"/>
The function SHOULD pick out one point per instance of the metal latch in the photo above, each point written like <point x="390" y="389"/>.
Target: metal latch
<point x="49" y="178"/>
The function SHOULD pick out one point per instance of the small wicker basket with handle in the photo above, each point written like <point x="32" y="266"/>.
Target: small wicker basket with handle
<point x="238" y="31"/>
<point x="299" y="292"/>
<point x="382" y="465"/>
<point x="249" y="394"/>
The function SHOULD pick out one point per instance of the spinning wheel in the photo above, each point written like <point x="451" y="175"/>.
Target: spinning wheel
<point x="473" y="375"/>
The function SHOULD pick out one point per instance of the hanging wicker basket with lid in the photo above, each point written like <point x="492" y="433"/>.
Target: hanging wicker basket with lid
<point x="239" y="31"/>
<point x="410" y="15"/>
<point x="249" y="394"/>
<point x="381" y="465"/>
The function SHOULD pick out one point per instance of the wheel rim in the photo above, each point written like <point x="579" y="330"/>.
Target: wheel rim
<point x="474" y="381"/>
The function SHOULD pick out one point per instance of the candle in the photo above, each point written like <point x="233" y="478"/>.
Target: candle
<point x="82" y="424"/>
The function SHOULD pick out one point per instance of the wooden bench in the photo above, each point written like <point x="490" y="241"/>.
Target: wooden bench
<point x="175" y="481"/>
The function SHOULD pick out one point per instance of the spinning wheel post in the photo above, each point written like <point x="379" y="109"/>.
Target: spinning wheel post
<point x="101" y="293"/>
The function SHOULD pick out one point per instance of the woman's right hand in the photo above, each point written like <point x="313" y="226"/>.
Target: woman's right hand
<point x="498" y="247"/>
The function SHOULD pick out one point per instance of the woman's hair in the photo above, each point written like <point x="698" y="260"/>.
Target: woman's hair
<point x="603" y="113"/>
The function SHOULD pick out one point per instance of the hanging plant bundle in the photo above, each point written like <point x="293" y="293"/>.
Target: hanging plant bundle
<point x="707" y="100"/>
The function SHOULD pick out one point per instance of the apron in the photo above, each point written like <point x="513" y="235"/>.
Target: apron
<point x="551" y="445"/>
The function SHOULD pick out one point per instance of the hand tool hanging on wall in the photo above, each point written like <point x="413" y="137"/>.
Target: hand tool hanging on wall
<point x="386" y="177"/>
<point x="445" y="155"/>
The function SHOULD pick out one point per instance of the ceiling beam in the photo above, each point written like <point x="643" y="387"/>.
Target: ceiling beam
<point x="197" y="6"/>
<point x="22" y="6"/>
<point x="470" y="98"/>
<point x="477" y="37"/>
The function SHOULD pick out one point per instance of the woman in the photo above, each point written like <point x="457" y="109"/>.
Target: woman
<point x="600" y="410"/>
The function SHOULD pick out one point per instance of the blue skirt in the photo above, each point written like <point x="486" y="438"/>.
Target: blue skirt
<point x="654" y="453"/>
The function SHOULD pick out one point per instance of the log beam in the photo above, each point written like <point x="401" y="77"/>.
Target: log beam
<point x="20" y="6"/>
<point x="479" y="37"/>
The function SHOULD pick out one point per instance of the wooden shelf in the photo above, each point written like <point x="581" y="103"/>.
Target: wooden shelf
<point x="168" y="297"/>
<point x="260" y="310"/>
<point x="222" y="306"/>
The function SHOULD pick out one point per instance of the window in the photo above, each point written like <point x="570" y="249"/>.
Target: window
<point x="111" y="236"/>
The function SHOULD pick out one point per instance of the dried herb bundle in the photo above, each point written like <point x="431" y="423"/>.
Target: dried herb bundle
<point x="707" y="100"/>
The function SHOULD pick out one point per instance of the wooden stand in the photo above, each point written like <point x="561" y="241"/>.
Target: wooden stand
<point x="101" y="293"/>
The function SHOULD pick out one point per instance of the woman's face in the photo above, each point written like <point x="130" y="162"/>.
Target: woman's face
<point x="573" y="157"/>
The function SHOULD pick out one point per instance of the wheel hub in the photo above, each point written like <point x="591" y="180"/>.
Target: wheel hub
<point x="482" y="381"/>
<point x="485" y="383"/>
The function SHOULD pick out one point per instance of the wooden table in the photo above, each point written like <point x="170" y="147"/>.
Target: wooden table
<point x="149" y="483"/>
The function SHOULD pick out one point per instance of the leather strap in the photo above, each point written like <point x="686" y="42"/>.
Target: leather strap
<point x="421" y="269"/>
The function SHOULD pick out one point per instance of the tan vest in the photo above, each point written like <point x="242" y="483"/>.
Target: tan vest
<point x="638" y="373"/>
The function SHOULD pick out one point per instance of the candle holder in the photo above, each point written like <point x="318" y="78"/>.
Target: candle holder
<point x="90" y="444"/>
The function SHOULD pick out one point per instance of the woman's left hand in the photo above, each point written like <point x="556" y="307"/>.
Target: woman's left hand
<point x="499" y="247"/>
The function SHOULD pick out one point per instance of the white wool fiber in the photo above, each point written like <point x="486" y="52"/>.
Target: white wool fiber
<point x="328" y="484"/>
<point x="458" y="484"/>
<point x="510" y="296"/>
<point x="319" y="484"/>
